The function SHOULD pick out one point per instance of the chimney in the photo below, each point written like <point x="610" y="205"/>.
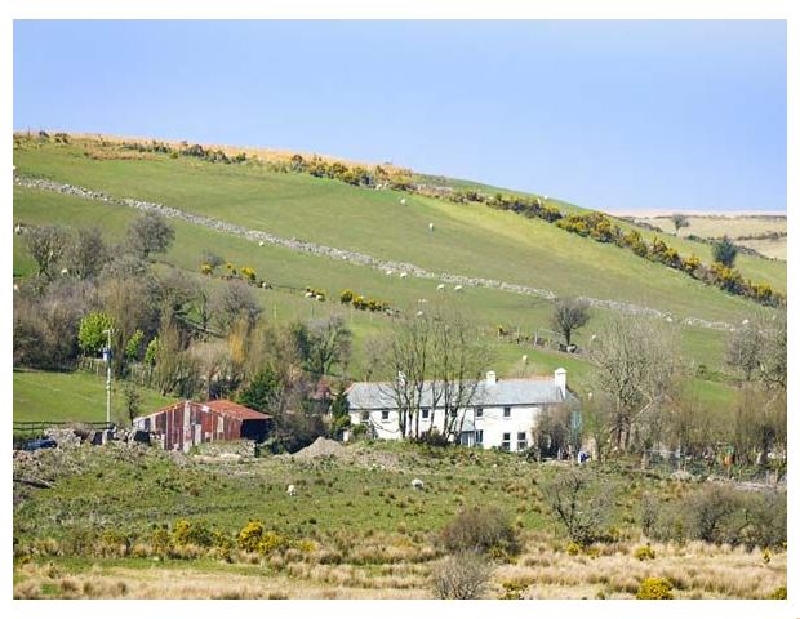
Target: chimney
<point x="561" y="381"/>
<point x="490" y="378"/>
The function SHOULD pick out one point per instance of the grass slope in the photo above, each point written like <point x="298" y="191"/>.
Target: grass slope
<point x="472" y="240"/>
<point x="76" y="396"/>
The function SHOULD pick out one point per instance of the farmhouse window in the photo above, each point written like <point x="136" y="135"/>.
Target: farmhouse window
<point x="384" y="415"/>
<point x="479" y="438"/>
<point x="522" y="442"/>
<point x="364" y="415"/>
<point x="424" y="413"/>
<point x="506" y="441"/>
<point x="478" y="413"/>
<point x="507" y="412"/>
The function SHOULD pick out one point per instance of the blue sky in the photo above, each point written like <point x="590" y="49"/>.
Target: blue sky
<point x="605" y="114"/>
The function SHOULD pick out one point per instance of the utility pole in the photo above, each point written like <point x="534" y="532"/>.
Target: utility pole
<point x="108" y="356"/>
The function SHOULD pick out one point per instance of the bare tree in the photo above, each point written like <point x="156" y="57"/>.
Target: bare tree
<point x="149" y="234"/>
<point x="758" y="349"/>
<point x="330" y="343"/>
<point x="636" y="363"/>
<point x="570" y="315"/>
<point x="460" y="359"/>
<point x="87" y="253"/>
<point x="435" y="358"/>
<point x="580" y="503"/>
<point x="47" y="245"/>
<point x="234" y="300"/>
<point x="679" y="220"/>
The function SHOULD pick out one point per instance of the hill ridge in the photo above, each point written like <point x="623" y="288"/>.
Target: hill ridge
<point x="358" y="258"/>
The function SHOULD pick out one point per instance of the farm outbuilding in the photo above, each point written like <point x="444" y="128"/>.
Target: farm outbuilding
<point x="190" y="423"/>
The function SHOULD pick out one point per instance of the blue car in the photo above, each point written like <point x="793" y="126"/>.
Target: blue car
<point x="39" y="443"/>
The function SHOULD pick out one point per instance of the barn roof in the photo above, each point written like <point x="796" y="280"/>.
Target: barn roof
<point x="232" y="409"/>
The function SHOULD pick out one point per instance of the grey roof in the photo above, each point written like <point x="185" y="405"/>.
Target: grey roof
<point x="508" y="392"/>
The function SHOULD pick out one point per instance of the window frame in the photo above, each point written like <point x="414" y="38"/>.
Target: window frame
<point x="479" y="438"/>
<point x="522" y="443"/>
<point x="384" y="415"/>
<point x="478" y="412"/>
<point x="506" y="412"/>
<point x="505" y="444"/>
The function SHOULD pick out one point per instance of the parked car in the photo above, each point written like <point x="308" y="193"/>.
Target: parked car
<point x="39" y="443"/>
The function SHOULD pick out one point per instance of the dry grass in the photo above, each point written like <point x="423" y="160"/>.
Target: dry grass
<point x="697" y="571"/>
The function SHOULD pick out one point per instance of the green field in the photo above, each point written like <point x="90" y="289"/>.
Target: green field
<point x="469" y="239"/>
<point x="74" y="396"/>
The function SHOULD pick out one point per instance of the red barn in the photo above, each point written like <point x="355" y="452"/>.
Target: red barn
<point x="190" y="423"/>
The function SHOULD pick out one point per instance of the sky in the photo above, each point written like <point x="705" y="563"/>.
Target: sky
<point x="612" y="115"/>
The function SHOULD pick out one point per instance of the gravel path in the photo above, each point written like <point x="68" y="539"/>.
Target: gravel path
<point x="343" y="254"/>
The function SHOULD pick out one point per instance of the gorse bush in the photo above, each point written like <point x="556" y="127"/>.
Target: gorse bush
<point x="655" y="589"/>
<point x="461" y="577"/>
<point x="482" y="530"/>
<point x="644" y="552"/>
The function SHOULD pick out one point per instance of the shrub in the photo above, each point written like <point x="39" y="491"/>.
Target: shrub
<point x="481" y="529"/>
<point x="461" y="577"/>
<point x="573" y="549"/>
<point x="644" y="552"/>
<point x="250" y="536"/>
<point x="778" y="594"/>
<point x="654" y="589"/>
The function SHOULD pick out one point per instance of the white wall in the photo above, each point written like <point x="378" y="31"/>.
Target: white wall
<point x="493" y="424"/>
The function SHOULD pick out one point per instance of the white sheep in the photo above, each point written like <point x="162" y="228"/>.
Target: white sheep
<point x="261" y="243"/>
<point x="440" y="287"/>
<point x="290" y="490"/>
<point x="64" y="272"/>
<point x="419" y="313"/>
<point x="403" y="201"/>
<point x="430" y="226"/>
<point x="309" y="295"/>
<point x="417" y="484"/>
<point x="389" y="272"/>
<point x="16" y="288"/>
<point x="404" y="274"/>
<point x="459" y="288"/>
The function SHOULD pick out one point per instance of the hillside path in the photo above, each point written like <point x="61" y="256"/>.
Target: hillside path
<point x="387" y="266"/>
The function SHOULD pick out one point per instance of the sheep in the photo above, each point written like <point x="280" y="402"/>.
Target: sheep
<point x="419" y="313"/>
<point x="389" y="272"/>
<point x="440" y="287"/>
<point x="430" y="226"/>
<point x="64" y="272"/>
<point x="417" y="484"/>
<point x="16" y="288"/>
<point x="403" y="274"/>
<point x="459" y="288"/>
<point x="290" y="490"/>
<point x="309" y="295"/>
<point x="403" y="201"/>
<point x="261" y="243"/>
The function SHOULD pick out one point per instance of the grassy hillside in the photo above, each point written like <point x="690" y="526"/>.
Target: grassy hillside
<point x="291" y="272"/>
<point x="469" y="239"/>
<point x="76" y="396"/>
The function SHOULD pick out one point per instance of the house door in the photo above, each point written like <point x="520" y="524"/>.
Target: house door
<point x="467" y="439"/>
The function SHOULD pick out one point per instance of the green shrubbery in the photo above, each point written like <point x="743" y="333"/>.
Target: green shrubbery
<point x="481" y="529"/>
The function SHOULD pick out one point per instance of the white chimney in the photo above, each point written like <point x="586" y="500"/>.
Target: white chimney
<point x="561" y="381"/>
<point x="490" y="378"/>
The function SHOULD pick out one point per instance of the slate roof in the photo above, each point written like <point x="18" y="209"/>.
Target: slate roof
<point x="507" y="392"/>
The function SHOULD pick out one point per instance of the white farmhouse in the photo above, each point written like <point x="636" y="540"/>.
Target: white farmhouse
<point x="502" y="413"/>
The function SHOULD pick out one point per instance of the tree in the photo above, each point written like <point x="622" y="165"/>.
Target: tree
<point x="87" y="253"/>
<point x="91" y="333"/>
<point x="434" y="355"/>
<point x="679" y="220"/>
<point x="581" y="504"/>
<point x="636" y="365"/>
<point x="569" y="315"/>
<point x="47" y="245"/>
<point x="133" y="345"/>
<point x="329" y="345"/>
<point x="133" y="400"/>
<point x="724" y="251"/>
<point x="263" y="393"/>
<point x="150" y="234"/>
<point x="745" y="348"/>
<point x="232" y="301"/>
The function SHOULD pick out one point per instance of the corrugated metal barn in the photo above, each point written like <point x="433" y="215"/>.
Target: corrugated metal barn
<point x="190" y="423"/>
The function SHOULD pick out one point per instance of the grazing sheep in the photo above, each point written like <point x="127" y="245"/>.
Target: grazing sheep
<point x="417" y="484"/>
<point x="309" y="295"/>
<point x="430" y="226"/>
<point x="459" y="288"/>
<point x="261" y="243"/>
<point x="419" y="313"/>
<point x="403" y="274"/>
<point x="440" y="287"/>
<point x="290" y="490"/>
<point x="403" y="201"/>
<point x="389" y="272"/>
